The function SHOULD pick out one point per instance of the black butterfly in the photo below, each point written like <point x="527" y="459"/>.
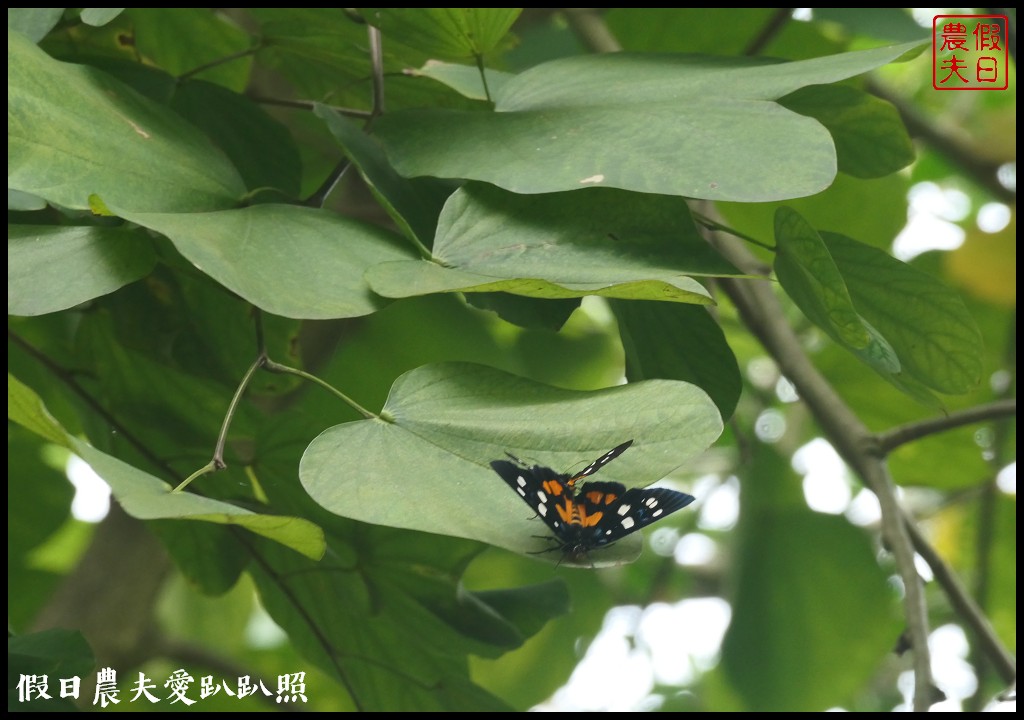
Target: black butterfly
<point x="594" y="515"/>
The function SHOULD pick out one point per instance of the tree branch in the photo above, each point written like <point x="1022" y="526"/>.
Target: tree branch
<point x="764" y="317"/>
<point x="965" y="606"/>
<point x="964" y="156"/>
<point x="892" y="439"/>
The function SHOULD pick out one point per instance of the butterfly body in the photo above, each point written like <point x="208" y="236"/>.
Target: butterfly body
<point x="591" y="515"/>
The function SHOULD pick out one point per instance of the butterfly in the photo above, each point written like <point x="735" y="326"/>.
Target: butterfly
<point x="593" y="515"/>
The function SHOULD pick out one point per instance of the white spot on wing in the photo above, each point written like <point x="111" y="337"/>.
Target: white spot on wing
<point x="623" y="509"/>
<point x="628" y="522"/>
<point x="542" y="510"/>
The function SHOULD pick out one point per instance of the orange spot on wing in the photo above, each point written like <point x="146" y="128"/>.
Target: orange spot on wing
<point x="589" y="520"/>
<point x="601" y="498"/>
<point x="566" y="510"/>
<point x="553" y="488"/>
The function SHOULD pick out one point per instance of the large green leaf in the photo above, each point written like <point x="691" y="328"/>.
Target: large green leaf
<point x="446" y="32"/>
<point x="97" y="17"/>
<point x="812" y="614"/>
<point x="599" y="242"/>
<point x="871" y="139"/>
<point x="148" y="498"/>
<point x="442" y="424"/>
<point x="679" y="342"/>
<point x="464" y="79"/>
<point x="677" y="125"/>
<point x="261" y="148"/>
<point x="911" y="328"/>
<point x="809" y="275"/>
<point x="33" y="23"/>
<point x="74" y="131"/>
<point x="384" y="615"/>
<point x="924" y="320"/>
<point x="52" y="268"/>
<point x="294" y="261"/>
<point x="413" y="211"/>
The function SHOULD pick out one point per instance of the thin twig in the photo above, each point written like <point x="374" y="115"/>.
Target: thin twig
<point x="590" y="27"/>
<point x="217" y="461"/>
<point x="952" y="146"/>
<point x="377" y="68"/>
<point x="307" y="105"/>
<point x="66" y="377"/>
<point x="320" y="195"/>
<point x="711" y="224"/>
<point x="965" y="606"/>
<point x="771" y="29"/>
<point x="892" y="439"/>
<point x="219" y="61"/>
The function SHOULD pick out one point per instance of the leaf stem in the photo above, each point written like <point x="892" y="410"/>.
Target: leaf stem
<point x="717" y="226"/>
<point x="264" y="362"/>
<point x="483" y="77"/>
<point x="274" y="367"/>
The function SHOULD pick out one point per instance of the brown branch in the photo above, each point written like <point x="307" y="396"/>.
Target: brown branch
<point x="763" y="315"/>
<point x="892" y="439"/>
<point x="959" y="153"/>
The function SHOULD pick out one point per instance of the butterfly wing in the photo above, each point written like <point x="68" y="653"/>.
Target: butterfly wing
<point x="611" y="512"/>
<point x="543" y="489"/>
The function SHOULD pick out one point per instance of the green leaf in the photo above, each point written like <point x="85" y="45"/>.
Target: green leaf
<point x="33" y="23"/>
<point x="293" y="261"/>
<point x="17" y="200"/>
<point x="180" y="40"/>
<point x="887" y="198"/>
<point x="810" y="277"/>
<point x="443" y="424"/>
<point x="39" y="494"/>
<point x="413" y="212"/>
<point x="677" y="125"/>
<point x="526" y="312"/>
<point x="55" y="653"/>
<point x="600" y="242"/>
<point x="377" y="615"/>
<point x="52" y="268"/>
<point x="448" y="32"/>
<point x="147" y="498"/>
<point x="98" y="17"/>
<point x="871" y="139"/>
<point x="923" y="319"/>
<point x="260" y="147"/>
<point x="25" y="408"/>
<point x="679" y="342"/>
<point x="812" y="614"/>
<point x="74" y="131"/>
<point x="529" y="607"/>
<point x="464" y="79"/>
